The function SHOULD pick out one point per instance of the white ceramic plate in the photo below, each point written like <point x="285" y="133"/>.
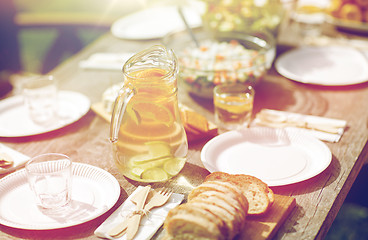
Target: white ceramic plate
<point x="18" y="158"/>
<point x="329" y="66"/>
<point x="276" y="156"/>
<point x="153" y="23"/>
<point x="15" y="122"/>
<point x="94" y="191"/>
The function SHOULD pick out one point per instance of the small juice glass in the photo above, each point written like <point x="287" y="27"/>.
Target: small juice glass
<point x="233" y="106"/>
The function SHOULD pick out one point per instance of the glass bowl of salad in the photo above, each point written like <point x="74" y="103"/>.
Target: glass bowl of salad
<point x="243" y="15"/>
<point x="222" y="57"/>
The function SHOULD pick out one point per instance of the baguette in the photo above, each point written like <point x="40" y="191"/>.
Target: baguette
<point x="260" y="197"/>
<point x="218" y="208"/>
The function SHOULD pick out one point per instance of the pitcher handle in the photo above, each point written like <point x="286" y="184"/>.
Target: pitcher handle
<point x="121" y="102"/>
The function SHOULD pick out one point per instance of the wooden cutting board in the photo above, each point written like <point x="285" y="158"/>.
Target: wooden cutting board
<point x="265" y="227"/>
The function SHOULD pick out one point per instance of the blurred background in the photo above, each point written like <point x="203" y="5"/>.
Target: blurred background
<point x="41" y="25"/>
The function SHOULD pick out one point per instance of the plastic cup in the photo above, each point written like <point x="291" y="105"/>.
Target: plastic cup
<point x="40" y="98"/>
<point x="50" y="178"/>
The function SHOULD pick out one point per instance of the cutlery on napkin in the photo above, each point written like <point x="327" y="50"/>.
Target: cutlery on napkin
<point x="134" y="220"/>
<point x="105" y="61"/>
<point x="17" y="158"/>
<point x="327" y="129"/>
<point x="149" y="224"/>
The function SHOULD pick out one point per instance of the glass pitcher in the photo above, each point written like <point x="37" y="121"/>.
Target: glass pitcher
<point x="148" y="139"/>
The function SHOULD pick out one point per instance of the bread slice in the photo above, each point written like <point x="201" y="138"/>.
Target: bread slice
<point x="241" y="177"/>
<point x="260" y="197"/>
<point x="227" y="188"/>
<point x="189" y="221"/>
<point x="220" y="213"/>
<point x="244" y="178"/>
<point x="215" y="202"/>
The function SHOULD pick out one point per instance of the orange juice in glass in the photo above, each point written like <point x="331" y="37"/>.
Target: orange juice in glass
<point x="148" y="139"/>
<point x="233" y="106"/>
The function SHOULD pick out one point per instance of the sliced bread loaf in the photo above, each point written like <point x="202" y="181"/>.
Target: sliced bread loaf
<point x="260" y="197"/>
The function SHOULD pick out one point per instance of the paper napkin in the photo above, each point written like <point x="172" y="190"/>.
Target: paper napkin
<point x="106" y="61"/>
<point x="309" y="124"/>
<point x="150" y="223"/>
<point x="18" y="158"/>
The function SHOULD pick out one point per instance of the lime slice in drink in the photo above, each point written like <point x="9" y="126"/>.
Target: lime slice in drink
<point x="158" y="149"/>
<point x="174" y="165"/>
<point x="140" y="159"/>
<point x="137" y="171"/>
<point x="154" y="174"/>
<point x="144" y="162"/>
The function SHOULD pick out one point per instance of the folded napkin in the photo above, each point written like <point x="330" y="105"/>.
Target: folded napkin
<point x="106" y="61"/>
<point x="326" y="129"/>
<point x="149" y="223"/>
<point x="18" y="158"/>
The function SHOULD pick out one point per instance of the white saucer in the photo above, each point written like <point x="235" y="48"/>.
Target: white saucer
<point x="153" y="23"/>
<point x="94" y="192"/>
<point x="276" y="156"/>
<point x="328" y="66"/>
<point x="15" y="122"/>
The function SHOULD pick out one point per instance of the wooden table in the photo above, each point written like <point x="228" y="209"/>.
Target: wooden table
<point x="318" y="199"/>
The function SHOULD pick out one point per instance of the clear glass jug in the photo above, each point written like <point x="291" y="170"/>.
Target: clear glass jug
<point x="148" y="139"/>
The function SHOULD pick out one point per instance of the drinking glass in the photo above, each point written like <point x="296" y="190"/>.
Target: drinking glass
<point x="50" y="178"/>
<point x="309" y="15"/>
<point x="40" y="98"/>
<point x="233" y="106"/>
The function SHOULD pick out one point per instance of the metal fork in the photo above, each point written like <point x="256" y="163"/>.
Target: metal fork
<point x="159" y="198"/>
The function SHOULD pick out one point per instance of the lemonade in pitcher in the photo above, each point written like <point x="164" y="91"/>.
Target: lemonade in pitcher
<point x="148" y="138"/>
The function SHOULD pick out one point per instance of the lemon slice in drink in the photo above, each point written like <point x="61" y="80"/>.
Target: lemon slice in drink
<point x="237" y="105"/>
<point x="134" y="115"/>
<point x="174" y="165"/>
<point x="154" y="174"/>
<point x="151" y="73"/>
<point x="152" y="112"/>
